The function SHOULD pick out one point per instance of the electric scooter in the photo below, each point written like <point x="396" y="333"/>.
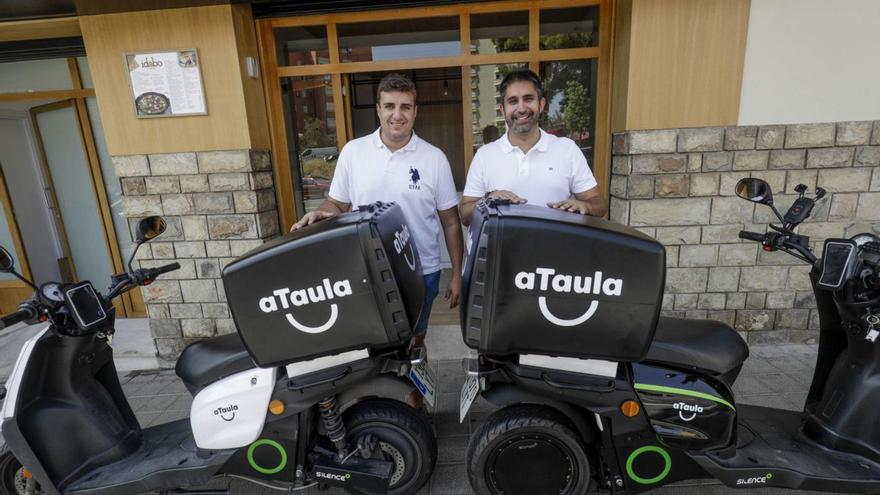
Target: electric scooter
<point x="339" y="419"/>
<point x="622" y="400"/>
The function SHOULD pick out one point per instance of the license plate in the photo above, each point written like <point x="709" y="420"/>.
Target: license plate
<point x="469" y="392"/>
<point x="420" y="374"/>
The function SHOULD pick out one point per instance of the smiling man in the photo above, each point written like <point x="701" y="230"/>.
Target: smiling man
<point x="527" y="164"/>
<point x="393" y="164"/>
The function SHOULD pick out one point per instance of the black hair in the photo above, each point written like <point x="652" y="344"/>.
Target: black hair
<point x="395" y="82"/>
<point x="522" y="75"/>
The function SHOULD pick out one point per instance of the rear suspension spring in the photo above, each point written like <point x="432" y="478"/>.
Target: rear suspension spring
<point x="333" y="424"/>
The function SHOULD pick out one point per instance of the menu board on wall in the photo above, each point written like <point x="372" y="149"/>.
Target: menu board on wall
<point x="166" y="84"/>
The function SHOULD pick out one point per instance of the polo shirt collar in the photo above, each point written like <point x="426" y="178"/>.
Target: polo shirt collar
<point x="542" y="144"/>
<point x="412" y="145"/>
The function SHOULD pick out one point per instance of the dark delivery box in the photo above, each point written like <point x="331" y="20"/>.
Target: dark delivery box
<point x="543" y="281"/>
<point x="350" y="282"/>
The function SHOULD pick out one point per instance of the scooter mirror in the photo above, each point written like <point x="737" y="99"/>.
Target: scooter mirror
<point x="755" y="190"/>
<point x="149" y="228"/>
<point x="6" y="262"/>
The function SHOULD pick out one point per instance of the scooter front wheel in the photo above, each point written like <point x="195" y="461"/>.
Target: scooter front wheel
<point x="524" y="450"/>
<point x="404" y="437"/>
<point x="13" y="480"/>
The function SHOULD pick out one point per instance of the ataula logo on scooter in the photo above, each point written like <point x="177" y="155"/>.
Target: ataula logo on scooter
<point x="285" y="297"/>
<point x="548" y="280"/>
<point x="401" y="240"/>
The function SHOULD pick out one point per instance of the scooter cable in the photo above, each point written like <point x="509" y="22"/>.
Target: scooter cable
<point x="269" y="485"/>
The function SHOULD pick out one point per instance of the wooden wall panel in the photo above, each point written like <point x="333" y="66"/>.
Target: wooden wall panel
<point x="255" y="103"/>
<point x="38" y="29"/>
<point x="212" y="32"/>
<point x="685" y="63"/>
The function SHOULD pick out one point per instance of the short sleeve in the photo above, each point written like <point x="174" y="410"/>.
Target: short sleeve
<point x="339" y="187"/>
<point x="475" y="185"/>
<point x="582" y="179"/>
<point x="445" y="196"/>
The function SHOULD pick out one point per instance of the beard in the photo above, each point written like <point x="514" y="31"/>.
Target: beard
<point x="522" y="127"/>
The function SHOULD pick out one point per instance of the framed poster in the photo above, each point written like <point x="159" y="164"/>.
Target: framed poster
<point x="166" y="84"/>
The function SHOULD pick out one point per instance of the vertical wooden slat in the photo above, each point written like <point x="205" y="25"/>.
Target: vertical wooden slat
<point x="339" y="110"/>
<point x="17" y="244"/>
<point x="602" y="127"/>
<point x="467" y="117"/>
<point x="277" y="127"/>
<point x="534" y="38"/>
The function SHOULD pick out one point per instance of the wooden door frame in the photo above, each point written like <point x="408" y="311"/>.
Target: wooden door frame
<point x="338" y="70"/>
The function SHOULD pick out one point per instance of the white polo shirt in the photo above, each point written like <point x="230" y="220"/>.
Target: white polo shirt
<point x="417" y="177"/>
<point x="553" y="170"/>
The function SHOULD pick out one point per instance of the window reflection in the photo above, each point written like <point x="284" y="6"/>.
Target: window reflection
<point x="311" y="122"/>
<point x="306" y="45"/>
<point x="396" y="40"/>
<point x="487" y="120"/>
<point x="570" y="89"/>
<point x="569" y="28"/>
<point x="500" y="32"/>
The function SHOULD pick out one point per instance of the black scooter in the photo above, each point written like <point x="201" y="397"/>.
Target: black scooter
<point x="567" y="424"/>
<point x="336" y="420"/>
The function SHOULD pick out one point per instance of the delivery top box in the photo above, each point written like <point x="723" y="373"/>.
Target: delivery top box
<point x="543" y="281"/>
<point x="350" y="282"/>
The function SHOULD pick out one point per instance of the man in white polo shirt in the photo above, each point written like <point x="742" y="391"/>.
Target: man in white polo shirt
<point x="527" y="164"/>
<point x="393" y="164"/>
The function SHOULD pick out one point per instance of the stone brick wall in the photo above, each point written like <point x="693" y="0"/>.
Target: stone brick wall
<point x="218" y="205"/>
<point x="677" y="185"/>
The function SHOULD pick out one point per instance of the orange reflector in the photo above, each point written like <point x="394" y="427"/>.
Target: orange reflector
<point x="629" y="408"/>
<point x="27" y="474"/>
<point x="276" y="407"/>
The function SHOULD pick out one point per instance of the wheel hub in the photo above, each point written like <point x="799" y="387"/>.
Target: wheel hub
<point x="20" y="483"/>
<point x="526" y="464"/>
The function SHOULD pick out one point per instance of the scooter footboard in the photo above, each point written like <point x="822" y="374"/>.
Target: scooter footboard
<point x="772" y="451"/>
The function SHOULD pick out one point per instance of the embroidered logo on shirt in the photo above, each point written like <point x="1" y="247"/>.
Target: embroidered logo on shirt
<point x="414" y="178"/>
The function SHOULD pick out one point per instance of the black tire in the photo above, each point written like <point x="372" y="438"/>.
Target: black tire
<point x="527" y="449"/>
<point x="404" y="435"/>
<point x="10" y="474"/>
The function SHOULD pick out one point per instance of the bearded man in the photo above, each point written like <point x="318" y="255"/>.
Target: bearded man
<point x="527" y="163"/>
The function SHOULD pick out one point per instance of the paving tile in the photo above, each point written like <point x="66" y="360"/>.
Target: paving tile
<point x="450" y="479"/>
<point x="450" y="375"/>
<point x="452" y="450"/>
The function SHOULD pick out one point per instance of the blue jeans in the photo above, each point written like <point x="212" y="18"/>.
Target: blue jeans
<point x="432" y="288"/>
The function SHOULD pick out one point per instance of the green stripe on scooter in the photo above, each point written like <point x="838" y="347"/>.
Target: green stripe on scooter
<point x="681" y="391"/>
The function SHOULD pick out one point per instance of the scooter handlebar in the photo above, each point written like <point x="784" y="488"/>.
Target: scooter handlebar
<point x="751" y="236"/>
<point x="24" y="313"/>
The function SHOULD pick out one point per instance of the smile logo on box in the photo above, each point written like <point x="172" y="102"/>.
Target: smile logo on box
<point x="302" y="297"/>
<point x="401" y="241"/>
<point x="549" y="280"/>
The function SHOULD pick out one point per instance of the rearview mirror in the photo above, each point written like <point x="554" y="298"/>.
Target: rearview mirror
<point x="755" y="190"/>
<point x="149" y="228"/>
<point x="6" y="262"/>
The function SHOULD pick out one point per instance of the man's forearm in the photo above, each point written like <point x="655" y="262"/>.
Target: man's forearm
<point x="454" y="244"/>
<point x="467" y="209"/>
<point x="598" y="207"/>
<point x="331" y="206"/>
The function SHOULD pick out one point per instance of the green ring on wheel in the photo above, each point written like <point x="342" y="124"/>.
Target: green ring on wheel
<point x="260" y="469"/>
<point x="648" y="481"/>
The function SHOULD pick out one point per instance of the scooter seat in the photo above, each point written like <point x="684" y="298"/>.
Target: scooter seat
<point x="703" y="345"/>
<point x="206" y="361"/>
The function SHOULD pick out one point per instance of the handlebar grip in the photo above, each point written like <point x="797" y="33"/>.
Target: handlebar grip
<point x="16" y="317"/>
<point x="751" y="236"/>
<point x="166" y="268"/>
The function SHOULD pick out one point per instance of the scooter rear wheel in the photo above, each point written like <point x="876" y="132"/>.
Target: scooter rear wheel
<point x="12" y="480"/>
<point x="405" y="438"/>
<point x="527" y="450"/>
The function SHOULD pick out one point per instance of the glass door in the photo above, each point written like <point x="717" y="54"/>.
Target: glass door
<point x="69" y="191"/>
